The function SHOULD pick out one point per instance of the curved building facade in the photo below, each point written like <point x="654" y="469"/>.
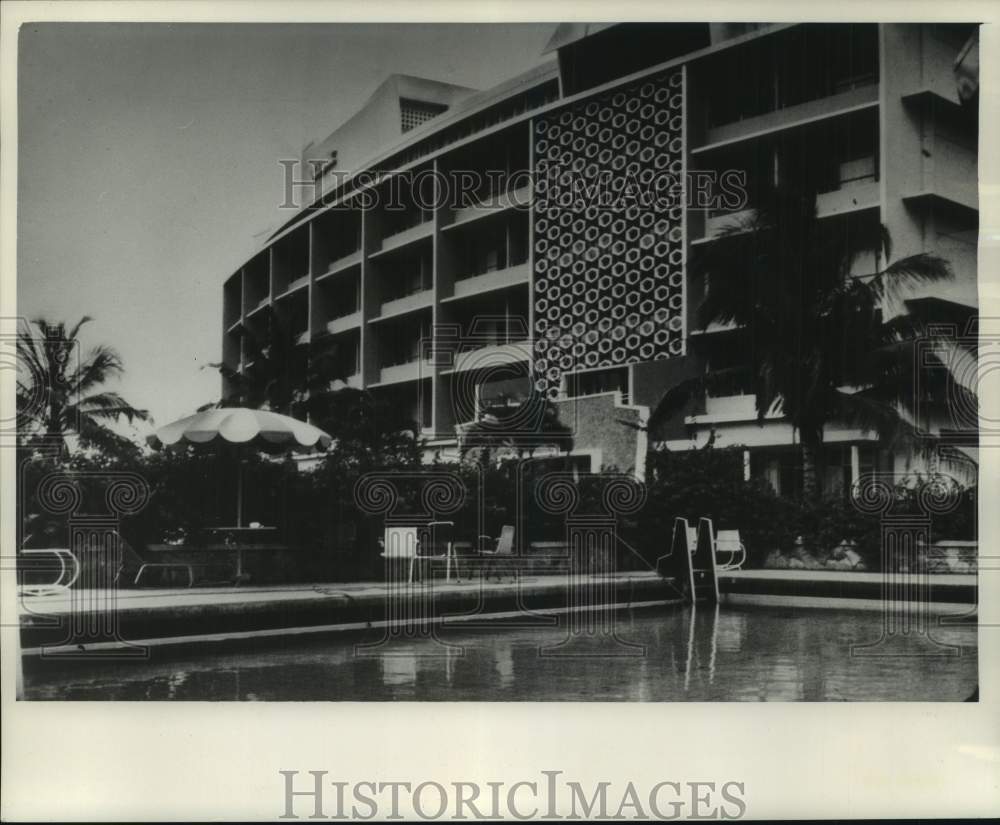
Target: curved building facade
<point x="459" y="248"/>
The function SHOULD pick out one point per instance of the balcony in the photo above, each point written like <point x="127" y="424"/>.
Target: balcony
<point x="295" y="286"/>
<point x="498" y="279"/>
<point x="519" y="198"/>
<point x="791" y="117"/>
<point x="264" y="304"/>
<point x="344" y="323"/>
<point x="489" y="356"/>
<point x="730" y="408"/>
<point x="341" y="265"/>
<point x="715" y="328"/>
<point x="351" y="381"/>
<point x="408" y="303"/>
<point x="852" y="197"/>
<point x="410" y="371"/>
<point x="406" y="236"/>
<point x="717" y="224"/>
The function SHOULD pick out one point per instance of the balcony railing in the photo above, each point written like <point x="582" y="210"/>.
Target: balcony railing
<point x="498" y="279"/>
<point x="491" y="355"/>
<point x="409" y="371"/>
<point x="862" y="97"/>
<point x="344" y="323"/>
<point x="519" y="198"/>
<point x="341" y="263"/>
<point x="406" y="236"/>
<point x="852" y="197"/>
<point x="407" y="303"/>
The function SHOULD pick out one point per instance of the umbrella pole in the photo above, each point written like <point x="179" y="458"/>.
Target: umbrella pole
<point x="239" y="487"/>
<point x="239" y="512"/>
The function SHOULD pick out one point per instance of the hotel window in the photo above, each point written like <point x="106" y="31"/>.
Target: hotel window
<point x="343" y="298"/>
<point x="854" y="56"/>
<point x="414" y="112"/>
<point x="402" y="343"/>
<point x="407" y="276"/>
<point x="809" y="62"/>
<point x="344" y="356"/>
<point x="789" y="473"/>
<point x="347" y="241"/>
<point x="838" y="154"/>
<point x="599" y="381"/>
<point x="498" y="246"/>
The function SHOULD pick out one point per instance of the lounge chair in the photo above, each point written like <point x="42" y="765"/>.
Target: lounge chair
<point x="730" y="552"/>
<point x="502" y="551"/>
<point x="62" y="561"/>
<point x="131" y="560"/>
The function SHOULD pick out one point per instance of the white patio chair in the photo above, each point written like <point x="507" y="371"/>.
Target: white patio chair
<point x="65" y="562"/>
<point x="400" y="544"/>
<point x="730" y="552"/>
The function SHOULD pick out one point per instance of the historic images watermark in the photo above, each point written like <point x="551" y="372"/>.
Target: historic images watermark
<point x="429" y="188"/>
<point x="549" y="795"/>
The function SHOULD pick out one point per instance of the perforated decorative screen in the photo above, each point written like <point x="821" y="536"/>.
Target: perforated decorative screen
<point x="414" y="112"/>
<point x="608" y="230"/>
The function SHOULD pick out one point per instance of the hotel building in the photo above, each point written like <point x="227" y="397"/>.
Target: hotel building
<point x="528" y="282"/>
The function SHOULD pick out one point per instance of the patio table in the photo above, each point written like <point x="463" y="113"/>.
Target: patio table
<point x="240" y="538"/>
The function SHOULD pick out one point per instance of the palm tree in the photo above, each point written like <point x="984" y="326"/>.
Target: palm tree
<point x="309" y="381"/>
<point x="281" y="373"/>
<point x="59" y="393"/>
<point x="820" y="343"/>
<point x="273" y="374"/>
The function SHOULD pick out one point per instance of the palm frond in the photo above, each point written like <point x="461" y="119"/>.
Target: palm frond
<point x="914" y="270"/>
<point x="675" y="399"/>
<point x="862" y="411"/>
<point x="72" y="334"/>
<point x="100" y="364"/>
<point x="29" y="352"/>
<point x="110" y="406"/>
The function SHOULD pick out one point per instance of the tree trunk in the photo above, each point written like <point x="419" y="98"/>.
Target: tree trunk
<point x="810" y="472"/>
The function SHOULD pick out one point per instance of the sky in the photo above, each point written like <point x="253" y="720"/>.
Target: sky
<point x="148" y="161"/>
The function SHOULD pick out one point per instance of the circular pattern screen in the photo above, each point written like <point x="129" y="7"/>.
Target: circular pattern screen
<point x="608" y="231"/>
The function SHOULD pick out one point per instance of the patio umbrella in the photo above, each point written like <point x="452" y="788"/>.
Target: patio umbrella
<point x="261" y="429"/>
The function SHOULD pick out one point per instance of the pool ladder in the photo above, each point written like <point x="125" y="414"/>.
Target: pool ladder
<point x="691" y="560"/>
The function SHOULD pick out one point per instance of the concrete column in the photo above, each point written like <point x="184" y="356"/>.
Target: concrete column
<point x="855" y="464"/>
<point x="746" y="465"/>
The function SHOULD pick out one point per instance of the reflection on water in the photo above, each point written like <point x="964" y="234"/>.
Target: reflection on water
<point x="703" y="654"/>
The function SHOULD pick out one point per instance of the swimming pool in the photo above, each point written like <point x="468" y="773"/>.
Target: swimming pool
<point x="678" y="654"/>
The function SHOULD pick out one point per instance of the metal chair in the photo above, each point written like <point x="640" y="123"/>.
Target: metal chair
<point x="725" y="543"/>
<point x="400" y="544"/>
<point x="503" y="551"/>
<point x="728" y="543"/>
<point x="419" y="544"/>
<point x="440" y="546"/>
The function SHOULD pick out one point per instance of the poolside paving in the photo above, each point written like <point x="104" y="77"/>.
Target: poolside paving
<point x="184" y="615"/>
<point x="212" y="613"/>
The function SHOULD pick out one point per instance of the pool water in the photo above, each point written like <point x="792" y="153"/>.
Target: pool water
<point x="654" y="655"/>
